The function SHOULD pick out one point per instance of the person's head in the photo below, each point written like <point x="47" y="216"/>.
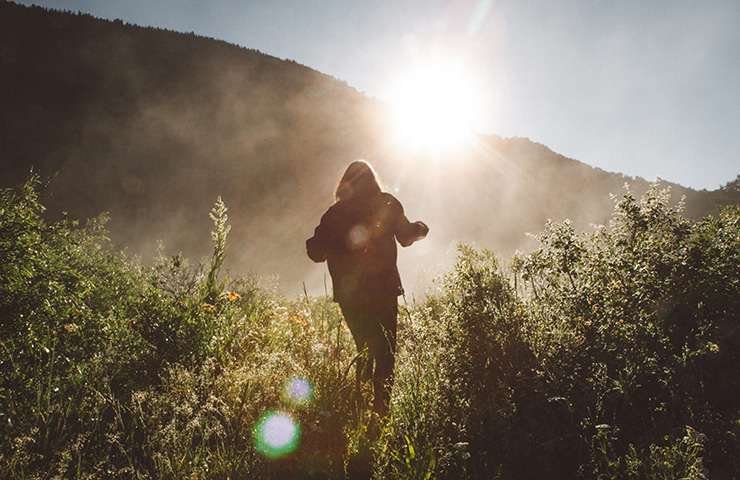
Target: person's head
<point x="359" y="180"/>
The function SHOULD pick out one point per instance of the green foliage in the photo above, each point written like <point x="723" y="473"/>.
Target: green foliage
<point x="598" y="356"/>
<point x="607" y="355"/>
<point x="110" y="369"/>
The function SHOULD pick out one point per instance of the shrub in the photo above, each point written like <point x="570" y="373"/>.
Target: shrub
<point x="592" y="357"/>
<point x="113" y="369"/>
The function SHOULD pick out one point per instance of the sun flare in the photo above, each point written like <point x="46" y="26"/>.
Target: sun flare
<point x="434" y="107"/>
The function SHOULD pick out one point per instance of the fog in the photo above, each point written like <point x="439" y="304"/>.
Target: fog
<point x="152" y="126"/>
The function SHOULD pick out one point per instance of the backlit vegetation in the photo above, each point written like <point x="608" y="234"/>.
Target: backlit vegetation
<point x="607" y="355"/>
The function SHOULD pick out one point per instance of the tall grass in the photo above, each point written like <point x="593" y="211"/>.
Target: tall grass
<point x="607" y="355"/>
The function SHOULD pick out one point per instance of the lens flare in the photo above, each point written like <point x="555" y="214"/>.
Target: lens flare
<point x="276" y="434"/>
<point x="298" y="391"/>
<point x="358" y="237"/>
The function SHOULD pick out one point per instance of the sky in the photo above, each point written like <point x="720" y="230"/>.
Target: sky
<point x="646" y="88"/>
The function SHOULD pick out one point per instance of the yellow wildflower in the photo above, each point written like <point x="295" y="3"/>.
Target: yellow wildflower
<point x="299" y="320"/>
<point x="233" y="296"/>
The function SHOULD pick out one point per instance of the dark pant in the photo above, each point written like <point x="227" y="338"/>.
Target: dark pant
<point x="373" y="325"/>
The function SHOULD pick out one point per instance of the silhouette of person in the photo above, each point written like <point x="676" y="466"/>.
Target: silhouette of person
<point x="357" y="237"/>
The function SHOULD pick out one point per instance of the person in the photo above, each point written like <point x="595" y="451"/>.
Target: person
<point x="357" y="238"/>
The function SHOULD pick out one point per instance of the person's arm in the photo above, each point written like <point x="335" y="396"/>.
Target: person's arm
<point x="408" y="232"/>
<point x="317" y="246"/>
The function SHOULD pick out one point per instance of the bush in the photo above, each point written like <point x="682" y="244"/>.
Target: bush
<point x="112" y="369"/>
<point x="591" y="358"/>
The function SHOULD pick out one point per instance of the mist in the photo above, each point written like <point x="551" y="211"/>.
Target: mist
<point x="152" y="126"/>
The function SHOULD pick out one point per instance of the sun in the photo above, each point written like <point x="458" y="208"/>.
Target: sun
<point x="434" y="107"/>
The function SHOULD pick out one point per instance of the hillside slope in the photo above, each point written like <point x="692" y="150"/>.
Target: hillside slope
<point x="152" y="125"/>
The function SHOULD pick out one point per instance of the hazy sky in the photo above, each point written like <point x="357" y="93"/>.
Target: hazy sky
<point x="649" y="88"/>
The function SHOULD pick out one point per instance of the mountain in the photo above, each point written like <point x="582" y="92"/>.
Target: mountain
<point x="152" y="125"/>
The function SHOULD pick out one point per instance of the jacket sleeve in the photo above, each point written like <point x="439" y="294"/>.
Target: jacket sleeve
<point x="317" y="246"/>
<point x="408" y="232"/>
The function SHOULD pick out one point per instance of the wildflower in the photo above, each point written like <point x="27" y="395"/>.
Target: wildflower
<point x="712" y="347"/>
<point x="71" y="327"/>
<point x="299" y="320"/>
<point x="138" y="396"/>
<point x="233" y="296"/>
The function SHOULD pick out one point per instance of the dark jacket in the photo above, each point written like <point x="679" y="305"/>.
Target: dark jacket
<point x="357" y="238"/>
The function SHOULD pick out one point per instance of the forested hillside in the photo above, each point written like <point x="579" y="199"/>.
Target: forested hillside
<point x="152" y="125"/>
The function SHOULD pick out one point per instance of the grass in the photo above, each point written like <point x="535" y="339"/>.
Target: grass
<point x="605" y="355"/>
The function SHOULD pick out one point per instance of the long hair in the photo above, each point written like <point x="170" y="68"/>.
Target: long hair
<point x="359" y="180"/>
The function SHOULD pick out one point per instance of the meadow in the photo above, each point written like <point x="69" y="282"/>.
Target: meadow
<point x="611" y="354"/>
